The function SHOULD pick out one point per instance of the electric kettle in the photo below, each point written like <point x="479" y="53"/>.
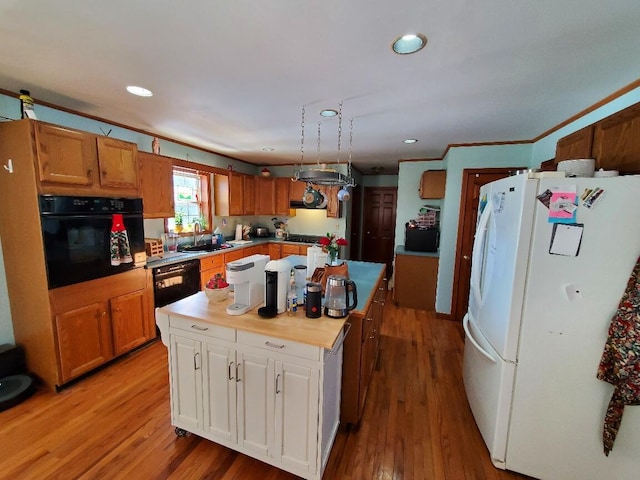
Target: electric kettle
<point x="336" y="300"/>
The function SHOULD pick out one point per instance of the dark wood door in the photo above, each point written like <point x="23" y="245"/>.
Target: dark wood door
<point x="472" y="180"/>
<point x="379" y="225"/>
<point x="356" y="223"/>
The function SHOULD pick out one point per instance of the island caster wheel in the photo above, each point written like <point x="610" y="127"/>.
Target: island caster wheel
<point x="181" y="432"/>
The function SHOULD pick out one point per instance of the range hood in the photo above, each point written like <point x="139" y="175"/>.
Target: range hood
<point x="300" y="204"/>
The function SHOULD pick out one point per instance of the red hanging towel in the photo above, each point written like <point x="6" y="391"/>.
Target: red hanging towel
<point x="620" y="363"/>
<point x="119" y="241"/>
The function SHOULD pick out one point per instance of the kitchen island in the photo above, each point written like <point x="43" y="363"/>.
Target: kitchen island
<point x="268" y="388"/>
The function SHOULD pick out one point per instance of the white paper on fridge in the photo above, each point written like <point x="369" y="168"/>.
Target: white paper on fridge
<point x="566" y="238"/>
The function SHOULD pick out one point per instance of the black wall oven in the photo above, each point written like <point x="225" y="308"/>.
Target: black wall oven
<point x="90" y="237"/>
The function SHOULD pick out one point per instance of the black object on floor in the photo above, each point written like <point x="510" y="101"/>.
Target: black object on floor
<point x="14" y="389"/>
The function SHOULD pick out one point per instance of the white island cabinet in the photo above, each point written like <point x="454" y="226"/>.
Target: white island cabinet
<point x="269" y="388"/>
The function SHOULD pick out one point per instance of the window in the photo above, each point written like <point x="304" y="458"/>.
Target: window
<point x="192" y="200"/>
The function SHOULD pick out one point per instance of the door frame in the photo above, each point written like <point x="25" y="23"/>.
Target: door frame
<point x="466" y="232"/>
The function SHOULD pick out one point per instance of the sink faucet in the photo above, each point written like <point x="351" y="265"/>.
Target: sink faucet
<point x="196" y="232"/>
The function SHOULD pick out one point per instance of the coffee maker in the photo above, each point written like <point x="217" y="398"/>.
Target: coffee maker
<point x="247" y="277"/>
<point x="276" y="282"/>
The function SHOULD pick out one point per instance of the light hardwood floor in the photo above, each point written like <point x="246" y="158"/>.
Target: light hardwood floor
<point x="115" y="424"/>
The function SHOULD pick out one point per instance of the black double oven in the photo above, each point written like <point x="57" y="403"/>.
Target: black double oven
<point x="86" y="238"/>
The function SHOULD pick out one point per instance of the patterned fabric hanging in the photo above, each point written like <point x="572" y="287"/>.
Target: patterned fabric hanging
<point x="620" y="363"/>
<point x="119" y="242"/>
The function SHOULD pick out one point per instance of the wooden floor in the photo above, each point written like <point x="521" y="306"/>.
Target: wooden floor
<point x="116" y="425"/>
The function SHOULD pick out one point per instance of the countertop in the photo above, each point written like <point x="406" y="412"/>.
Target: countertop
<point x="320" y="332"/>
<point x="400" y="250"/>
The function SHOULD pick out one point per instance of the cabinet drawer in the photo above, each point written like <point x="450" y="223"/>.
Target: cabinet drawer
<point x="275" y="344"/>
<point x="212" y="261"/>
<point x="202" y="328"/>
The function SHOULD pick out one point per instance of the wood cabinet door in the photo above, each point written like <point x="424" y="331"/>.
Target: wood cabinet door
<point x="334" y="209"/>
<point x="118" y="163"/>
<point x="296" y="415"/>
<point x="128" y="314"/>
<point x="287" y="249"/>
<point x="282" y="195"/>
<point x="236" y="194"/>
<point x="265" y="196"/>
<point x="235" y="254"/>
<point x="84" y="339"/>
<point x="275" y="251"/>
<point x="186" y="383"/>
<point x="616" y="143"/>
<point x="219" y="390"/>
<point x="432" y="184"/>
<point x="256" y="398"/>
<point x="156" y="181"/>
<point x="576" y="145"/>
<point x="65" y="156"/>
<point x="249" y="191"/>
<point x="296" y="191"/>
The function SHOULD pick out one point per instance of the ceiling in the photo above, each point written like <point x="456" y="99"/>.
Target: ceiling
<point x="232" y="76"/>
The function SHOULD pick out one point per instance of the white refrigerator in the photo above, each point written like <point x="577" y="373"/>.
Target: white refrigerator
<point x="541" y="301"/>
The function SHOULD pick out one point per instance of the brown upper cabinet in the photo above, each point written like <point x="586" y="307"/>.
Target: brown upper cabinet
<point x="614" y="142"/>
<point x="265" y="196"/>
<point x="75" y="162"/>
<point x="282" y="185"/>
<point x="432" y="184"/>
<point x="249" y="194"/>
<point x="296" y="191"/>
<point x="228" y="194"/>
<point x="156" y="182"/>
<point x="576" y="145"/>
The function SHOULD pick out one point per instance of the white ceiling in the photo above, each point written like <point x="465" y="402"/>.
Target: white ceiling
<point x="232" y="76"/>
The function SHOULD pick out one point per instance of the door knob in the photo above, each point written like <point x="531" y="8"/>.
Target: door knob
<point x="466" y="257"/>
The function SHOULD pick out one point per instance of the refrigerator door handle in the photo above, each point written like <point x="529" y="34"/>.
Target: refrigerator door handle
<point x="467" y="332"/>
<point x="476" y="263"/>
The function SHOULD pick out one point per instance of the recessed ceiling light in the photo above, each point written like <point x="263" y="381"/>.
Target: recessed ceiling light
<point x="267" y="149"/>
<point x="410" y="140"/>
<point x="139" y="91"/>
<point x="409" y="43"/>
<point x="328" y="112"/>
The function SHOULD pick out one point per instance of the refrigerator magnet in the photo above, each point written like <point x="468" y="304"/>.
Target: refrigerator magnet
<point x="591" y="197"/>
<point x="566" y="239"/>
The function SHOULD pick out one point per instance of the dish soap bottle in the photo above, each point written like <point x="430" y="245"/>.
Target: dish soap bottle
<point x="292" y="298"/>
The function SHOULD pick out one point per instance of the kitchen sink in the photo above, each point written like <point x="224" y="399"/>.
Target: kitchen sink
<point x="207" y="247"/>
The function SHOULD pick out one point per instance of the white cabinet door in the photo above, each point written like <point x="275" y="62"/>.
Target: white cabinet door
<point x="256" y="391"/>
<point x="219" y="368"/>
<point x="296" y="416"/>
<point x="186" y="383"/>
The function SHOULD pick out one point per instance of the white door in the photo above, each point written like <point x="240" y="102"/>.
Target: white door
<point x="256" y="391"/>
<point x="186" y="384"/>
<point x="500" y="258"/>
<point x="296" y="416"/>
<point x="220" y="392"/>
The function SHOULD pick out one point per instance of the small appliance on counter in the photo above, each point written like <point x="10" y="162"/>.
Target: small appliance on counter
<point x="336" y="302"/>
<point x="261" y="232"/>
<point x="276" y="275"/>
<point x="247" y="277"/>
<point x="313" y="307"/>
<point x="316" y="258"/>
<point x="421" y="239"/>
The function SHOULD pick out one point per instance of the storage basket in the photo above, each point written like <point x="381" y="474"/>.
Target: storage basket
<point x="153" y="246"/>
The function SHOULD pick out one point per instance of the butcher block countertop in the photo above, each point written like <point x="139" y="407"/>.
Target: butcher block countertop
<point x="320" y="332"/>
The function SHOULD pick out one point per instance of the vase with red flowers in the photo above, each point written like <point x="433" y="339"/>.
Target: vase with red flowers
<point x="331" y="243"/>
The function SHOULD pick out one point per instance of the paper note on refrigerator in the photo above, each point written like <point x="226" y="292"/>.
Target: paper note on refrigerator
<point x="565" y="239"/>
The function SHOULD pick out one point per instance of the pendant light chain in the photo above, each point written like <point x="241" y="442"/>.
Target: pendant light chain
<point x="302" y="139"/>
<point x="318" y="161"/>
<point x="339" y="130"/>
<point x="350" y="146"/>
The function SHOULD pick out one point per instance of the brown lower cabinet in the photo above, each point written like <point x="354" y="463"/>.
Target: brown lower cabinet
<point x="98" y="320"/>
<point x="416" y="277"/>
<point x="360" y="352"/>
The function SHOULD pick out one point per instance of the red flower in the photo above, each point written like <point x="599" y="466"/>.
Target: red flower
<point x="342" y="242"/>
<point x="325" y="241"/>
